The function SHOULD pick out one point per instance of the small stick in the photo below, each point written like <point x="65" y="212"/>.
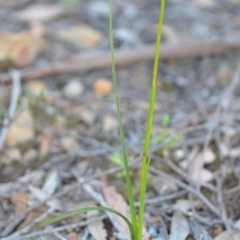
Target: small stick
<point x="102" y="59"/>
<point x="190" y="189"/>
<point x="16" y="92"/>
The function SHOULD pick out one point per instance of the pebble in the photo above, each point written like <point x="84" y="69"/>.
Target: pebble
<point x="110" y="123"/>
<point x="102" y="86"/>
<point x="30" y="156"/>
<point x="73" y="89"/>
<point x="14" y="154"/>
<point x="69" y="144"/>
<point x="21" y="129"/>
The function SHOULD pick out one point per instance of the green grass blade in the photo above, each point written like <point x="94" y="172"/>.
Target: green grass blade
<point x="124" y="152"/>
<point x="84" y="210"/>
<point x="154" y="79"/>
<point x="146" y="157"/>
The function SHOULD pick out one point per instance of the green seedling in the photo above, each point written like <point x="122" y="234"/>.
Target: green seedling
<point x="135" y="223"/>
<point x="167" y="138"/>
<point x="69" y="4"/>
<point x="117" y="159"/>
<point x="34" y="100"/>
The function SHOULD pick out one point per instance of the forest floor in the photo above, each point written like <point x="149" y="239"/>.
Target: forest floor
<point x="59" y="140"/>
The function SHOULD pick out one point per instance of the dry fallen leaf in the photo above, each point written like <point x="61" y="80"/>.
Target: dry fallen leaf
<point x="39" y="12"/>
<point x="117" y="202"/>
<point x="19" y="199"/>
<point x="73" y="235"/>
<point x="102" y="86"/>
<point x="82" y="36"/>
<point x="40" y="195"/>
<point x="96" y="228"/>
<point x="52" y="183"/>
<point x="170" y="34"/>
<point x="19" y="49"/>
<point x="197" y="172"/>
<point x="33" y="215"/>
<point x="44" y="142"/>
<point x="179" y="225"/>
<point x="225" y="236"/>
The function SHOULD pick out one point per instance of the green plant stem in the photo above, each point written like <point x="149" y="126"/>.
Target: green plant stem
<point x="146" y="157"/>
<point x="123" y="145"/>
<point x="144" y="176"/>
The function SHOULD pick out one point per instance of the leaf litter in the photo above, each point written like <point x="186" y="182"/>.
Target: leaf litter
<point x="79" y="131"/>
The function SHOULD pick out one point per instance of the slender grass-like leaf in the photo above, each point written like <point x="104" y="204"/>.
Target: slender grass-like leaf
<point x="136" y="224"/>
<point x="84" y="210"/>
<point x="122" y="138"/>
<point x="146" y="157"/>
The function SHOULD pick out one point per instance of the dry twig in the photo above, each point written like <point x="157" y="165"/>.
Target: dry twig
<point x="102" y="59"/>
<point x="16" y="92"/>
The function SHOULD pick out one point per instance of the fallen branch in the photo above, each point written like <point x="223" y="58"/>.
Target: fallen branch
<point x="102" y="59"/>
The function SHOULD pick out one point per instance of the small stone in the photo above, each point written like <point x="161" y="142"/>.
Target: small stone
<point x="223" y="150"/>
<point x="21" y="129"/>
<point x="224" y="73"/>
<point x="87" y="116"/>
<point x="109" y="123"/>
<point x="179" y="154"/>
<point x="73" y="89"/>
<point x="14" y="154"/>
<point x="98" y="9"/>
<point x="69" y="144"/>
<point x="102" y="86"/>
<point x="126" y="36"/>
<point x="163" y="186"/>
<point x="30" y="156"/>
